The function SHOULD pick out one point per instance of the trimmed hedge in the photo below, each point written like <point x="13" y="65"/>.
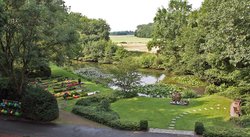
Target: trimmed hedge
<point x="144" y="125"/>
<point x="226" y="132"/>
<point x="96" y="108"/>
<point x="199" y="128"/>
<point x="39" y="105"/>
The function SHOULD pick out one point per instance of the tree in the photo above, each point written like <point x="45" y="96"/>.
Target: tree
<point x="126" y="76"/>
<point x="32" y="32"/>
<point x="144" y="30"/>
<point x="167" y="27"/>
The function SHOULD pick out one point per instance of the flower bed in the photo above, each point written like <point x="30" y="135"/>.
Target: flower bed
<point x="10" y="107"/>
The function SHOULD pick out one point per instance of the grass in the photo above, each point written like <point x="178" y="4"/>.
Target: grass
<point x="129" y="39"/>
<point x="89" y="85"/>
<point x="159" y="112"/>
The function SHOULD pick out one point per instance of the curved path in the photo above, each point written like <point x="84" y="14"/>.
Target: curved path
<point x="21" y="128"/>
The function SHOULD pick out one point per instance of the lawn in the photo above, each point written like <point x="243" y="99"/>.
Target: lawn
<point x="160" y="113"/>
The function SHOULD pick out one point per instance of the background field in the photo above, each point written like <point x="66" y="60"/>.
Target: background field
<point x="132" y="43"/>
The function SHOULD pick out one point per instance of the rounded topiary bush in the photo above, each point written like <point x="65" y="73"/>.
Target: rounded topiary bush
<point x="199" y="128"/>
<point x="39" y="105"/>
<point x="144" y="125"/>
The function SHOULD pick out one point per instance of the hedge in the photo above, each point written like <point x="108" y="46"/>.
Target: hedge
<point x="226" y="132"/>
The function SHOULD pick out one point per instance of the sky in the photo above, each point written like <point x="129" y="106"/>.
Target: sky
<point x="122" y="15"/>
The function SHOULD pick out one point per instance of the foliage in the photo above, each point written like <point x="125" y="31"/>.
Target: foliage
<point x="144" y="125"/>
<point x="33" y="33"/>
<point x="96" y="108"/>
<point x="39" y="105"/>
<point x="225" y="132"/>
<point x="199" y="128"/>
<point x="156" y="90"/>
<point x="125" y="75"/>
<point x="189" y="94"/>
<point x="144" y="30"/>
<point x="243" y="121"/>
<point x="122" y="33"/>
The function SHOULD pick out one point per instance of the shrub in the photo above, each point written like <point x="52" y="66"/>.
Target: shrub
<point x="144" y="125"/>
<point x="189" y="94"/>
<point x="39" y="105"/>
<point x="105" y="105"/>
<point x="199" y="128"/>
<point x="211" y="89"/>
<point x="125" y="125"/>
<point x="225" y="132"/>
<point x="243" y="121"/>
<point x="90" y="112"/>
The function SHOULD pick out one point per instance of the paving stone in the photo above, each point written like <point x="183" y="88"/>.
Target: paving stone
<point x="172" y="125"/>
<point x="173" y="122"/>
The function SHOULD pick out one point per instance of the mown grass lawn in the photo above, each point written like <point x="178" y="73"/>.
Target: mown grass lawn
<point x="159" y="112"/>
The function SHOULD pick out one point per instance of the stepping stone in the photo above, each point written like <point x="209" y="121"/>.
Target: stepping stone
<point x="211" y="108"/>
<point x="218" y="108"/>
<point x="173" y="122"/>
<point x="178" y="117"/>
<point x="173" y="119"/>
<point x="172" y="125"/>
<point x="194" y="110"/>
<point x="181" y="115"/>
<point x="225" y="108"/>
<point x="188" y="112"/>
<point x="199" y="109"/>
<point x="185" y="113"/>
<point x="205" y="108"/>
<point x="218" y="104"/>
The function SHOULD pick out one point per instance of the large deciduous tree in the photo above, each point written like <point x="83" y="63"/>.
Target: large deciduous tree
<point x="31" y="33"/>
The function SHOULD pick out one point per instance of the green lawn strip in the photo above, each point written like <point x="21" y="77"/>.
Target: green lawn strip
<point x="159" y="112"/>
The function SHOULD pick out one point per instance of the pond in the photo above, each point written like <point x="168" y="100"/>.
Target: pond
<point x="147" y="76"/>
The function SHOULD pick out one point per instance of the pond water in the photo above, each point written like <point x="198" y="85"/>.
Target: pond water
<point x="147" y="76"/>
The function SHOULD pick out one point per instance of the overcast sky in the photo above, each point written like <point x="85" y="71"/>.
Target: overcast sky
<point x="122" y="14"/>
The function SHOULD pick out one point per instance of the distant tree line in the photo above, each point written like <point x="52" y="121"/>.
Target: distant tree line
<point x="122" y="33"/>
<point x="144" y="30"/>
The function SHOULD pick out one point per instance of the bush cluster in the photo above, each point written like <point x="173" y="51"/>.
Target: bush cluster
<point x="39" y="105"/>
<point x="225" y="132"/>
<point x="199" y="128"/>
<point x="243" y="121"/>
<point x="97" y="108"/>
<point x="189" y="94"/>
